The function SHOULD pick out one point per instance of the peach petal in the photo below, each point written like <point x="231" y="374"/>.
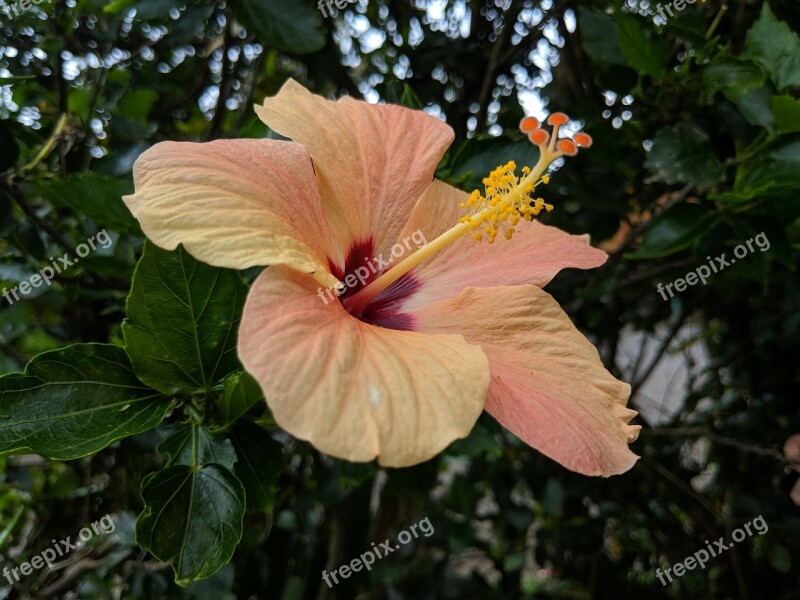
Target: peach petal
<point x="357" y="391"/>
<point x="235" y="204"/>
<point x="373" y="162"/>
<point x="791" y="449"/>
<point x="534" y="255"/>
<point x="548" y="384"/>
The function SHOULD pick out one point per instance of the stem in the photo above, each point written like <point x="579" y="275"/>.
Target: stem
<point x="48" y="146"/>
<point x="10" y="525"/>
<point x="356" y="304"/>
<point x="757" y="145"/>
<point x="723" y="9"/>
<point x="195" y="447"/>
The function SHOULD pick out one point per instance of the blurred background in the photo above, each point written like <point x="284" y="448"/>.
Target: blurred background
<point x="696" y="123"/>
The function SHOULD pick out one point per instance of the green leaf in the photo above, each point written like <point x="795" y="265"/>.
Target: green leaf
<point x="788" y="153"/>
<point x="674" y="230"/>
<point x="735" y="78"/>
<point x="210" y="448"/>
<point x="260" y="463"/>
<point x="645" y="51"/>
<point x="780" y="558"/>
<point x="193" y="519"/>
<point x="787" y="114"/>
<point x="480" y="442"/>
<point x="775" y="47"/>
<point x="599" y="37"/>
<point x="772" y="178"/>
<point x="481" y="155"/>
<point x="182" y="320"/>
<point x="240" y="392"/>
<point x="79" y="102"/>
<point x="93" y="196"/>
<point x="410" y="99"/>
<point x="403" y="94"/>
<point x="755" y="107"/>
<point x="115" y="6"/>
<point x="683" y="154"/>
<point x="136" y="104"/>
<point x="295" y="27"/>
<point x="75" y="401"/>
<point x="397" y="92"/>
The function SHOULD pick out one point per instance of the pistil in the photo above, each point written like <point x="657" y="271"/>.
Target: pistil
<point x="494" y="208"/>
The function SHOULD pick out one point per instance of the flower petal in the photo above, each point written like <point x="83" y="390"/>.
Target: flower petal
<point x="548" y="384"/>
<point x="534" y="255"/>
<point x="354" y="390"/>
<point x="235" y="204"/>
<point x="373" y="161"/>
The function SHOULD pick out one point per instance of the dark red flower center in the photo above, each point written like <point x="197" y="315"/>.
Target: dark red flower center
<point x="361" y="267"/>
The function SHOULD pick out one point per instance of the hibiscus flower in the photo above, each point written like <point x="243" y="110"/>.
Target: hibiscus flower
<point x="407" y="355"/>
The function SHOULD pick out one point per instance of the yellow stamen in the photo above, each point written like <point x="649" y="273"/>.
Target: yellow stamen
<point x="507" y="200"/>
<point x="513" y="196"/>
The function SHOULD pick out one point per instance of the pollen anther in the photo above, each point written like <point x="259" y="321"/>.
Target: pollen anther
<point x="507" y="200"/>
<point x="584" y="140"/>
<point x="539" y="136"/>
<point x="568" y="147"/>
<point x="528" y="124"/>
